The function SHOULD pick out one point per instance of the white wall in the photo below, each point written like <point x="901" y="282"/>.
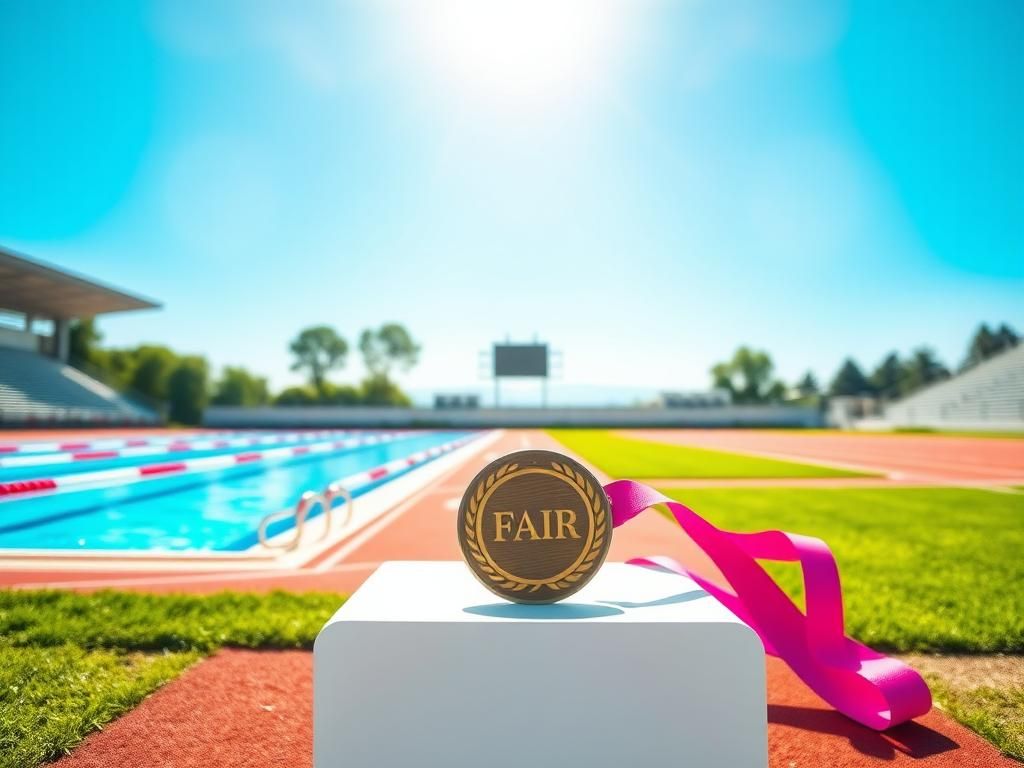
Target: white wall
<point x="343" y="416"/>
<point x="19" y="339"/>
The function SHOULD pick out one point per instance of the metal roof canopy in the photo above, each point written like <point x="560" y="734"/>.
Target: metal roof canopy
<point x="36" y="288"/>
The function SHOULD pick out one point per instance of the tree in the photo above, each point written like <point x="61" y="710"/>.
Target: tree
<point x="237" y="386"/>
<point x="305" y="395"/>
<point x="921" y="369"/>
<point x="152" y="370"/>
<point x="807" y="386"/>
<point x="380" y="390"/>
<point x="748" y="377"/>
<point x="887" y="378"/>
<point x="187" y="390"/>
<point x="1006" y="337"/>
<point x="318" y="350"/>
<point x="119" y="363"/>
<point x="850" y="380"/>
<point x="987" y="343"/>
<point x="340" y="394"/>
<point x="387" y="347"/>
<point x="84" y="339"/>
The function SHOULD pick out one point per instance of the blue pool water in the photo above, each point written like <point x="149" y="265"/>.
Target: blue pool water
<point x="190" y="512"/>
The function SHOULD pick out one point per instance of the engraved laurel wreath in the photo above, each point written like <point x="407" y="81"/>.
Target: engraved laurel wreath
<point x="557" y="583"/>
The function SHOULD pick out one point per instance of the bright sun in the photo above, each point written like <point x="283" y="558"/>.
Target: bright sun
<point x="524" y="53"/>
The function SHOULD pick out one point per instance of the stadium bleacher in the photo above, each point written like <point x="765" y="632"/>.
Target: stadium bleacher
<point x="38" y="303"/>
<point x="37" y="389"/>
<point x="988" y="396"/>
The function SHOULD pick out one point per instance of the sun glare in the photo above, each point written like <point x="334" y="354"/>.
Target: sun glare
<point x="521" y="54"/>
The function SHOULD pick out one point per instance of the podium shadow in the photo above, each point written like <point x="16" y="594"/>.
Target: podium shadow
<point x="911" y="739"/>
<point x="553" y="611"/>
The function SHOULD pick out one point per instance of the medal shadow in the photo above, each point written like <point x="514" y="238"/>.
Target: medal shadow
<point x="569" y="611"/>
<point x="550" y="611"/>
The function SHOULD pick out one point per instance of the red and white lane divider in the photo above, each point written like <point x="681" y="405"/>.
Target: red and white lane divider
<point x="137" y="442"/>
<point x="178" y="446"/>
<point x="344" y="489"/>
<point x="203" y="464"/>
<point x="54" y="446"/>
<point x="353" y="482"/>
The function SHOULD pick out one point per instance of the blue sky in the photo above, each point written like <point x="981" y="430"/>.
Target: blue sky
<point x="645" y="185"/>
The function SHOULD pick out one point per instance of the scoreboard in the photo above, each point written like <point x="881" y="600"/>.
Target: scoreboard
<point x="520" y="360"/>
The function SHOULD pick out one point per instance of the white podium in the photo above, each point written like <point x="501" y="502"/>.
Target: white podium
<point x="424" y="667"/>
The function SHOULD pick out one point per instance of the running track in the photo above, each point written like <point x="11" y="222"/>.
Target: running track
<point x="208" y="717"/>
<point x="928" y="458"/>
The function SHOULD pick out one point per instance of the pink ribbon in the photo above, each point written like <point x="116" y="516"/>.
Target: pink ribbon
<point x="864" y="685"/>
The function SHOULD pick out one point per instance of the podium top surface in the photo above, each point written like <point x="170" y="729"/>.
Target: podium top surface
<point x="446" y="592"/>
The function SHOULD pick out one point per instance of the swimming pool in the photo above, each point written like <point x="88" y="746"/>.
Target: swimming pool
<point x="198" y="493"/>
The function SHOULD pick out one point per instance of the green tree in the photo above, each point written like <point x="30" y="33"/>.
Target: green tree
<point x="120" y="364"/>
<point x="152" y="370"/>
<point x="318" y="350"/>
<point x="380" y="390"/>
<point x="187" y="390"/>
<point x="340" y="394"/>
<point x="304" y="395"/>
<point x="748" y="377"/>
<point x="236" y="386"/>
<point x="987" y="343"/>
<point x="887" y="378"/>
<point x="387" y="347"/>
<point x="921" y="369"/>
<point x="84" y="339"/>
<point x="850" y="380"/>
<point x="807" y="386"/>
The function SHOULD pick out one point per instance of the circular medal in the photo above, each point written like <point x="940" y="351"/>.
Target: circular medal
<point x="534" y="526"/>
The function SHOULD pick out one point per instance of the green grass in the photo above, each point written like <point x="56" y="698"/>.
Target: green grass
<point x="132" y="621"/>
<point x="621" y="456"/>
<point x="50" y="698"/>
<point x="995" y="713"/>
<point x="70" y="662"/>
<point x="923" y="569"/>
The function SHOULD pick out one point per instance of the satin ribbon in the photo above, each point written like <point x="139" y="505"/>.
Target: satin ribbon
<point x="864" y="685"/>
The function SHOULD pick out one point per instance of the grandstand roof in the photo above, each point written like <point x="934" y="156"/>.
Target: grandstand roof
<point x="33" y="287"/>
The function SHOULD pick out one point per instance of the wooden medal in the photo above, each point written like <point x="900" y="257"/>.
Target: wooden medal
<point x="534" y="526"/>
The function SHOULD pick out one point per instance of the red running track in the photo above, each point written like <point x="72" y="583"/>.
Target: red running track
<point x="935" y="458"/>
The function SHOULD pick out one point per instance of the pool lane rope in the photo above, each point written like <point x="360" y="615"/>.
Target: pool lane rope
<point x="75" y="452"/>
<point x="866" y="686"/>
<point x="202" y="464"/>
<point x="344" y="488"/>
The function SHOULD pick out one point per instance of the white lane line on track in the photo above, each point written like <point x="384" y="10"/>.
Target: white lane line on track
<point x="187" y="578"/>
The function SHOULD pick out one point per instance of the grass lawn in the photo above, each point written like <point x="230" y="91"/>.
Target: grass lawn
<point x="70" y="663"/>
<point x="995" y="713"/>
<point x="621" y="456"/>
<point x="923" y="569"/>
<point x="51" y="697"/>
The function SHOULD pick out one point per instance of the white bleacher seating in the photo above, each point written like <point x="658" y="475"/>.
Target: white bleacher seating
<point x="989" y="395"/>
<point x="37" y="389"/>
